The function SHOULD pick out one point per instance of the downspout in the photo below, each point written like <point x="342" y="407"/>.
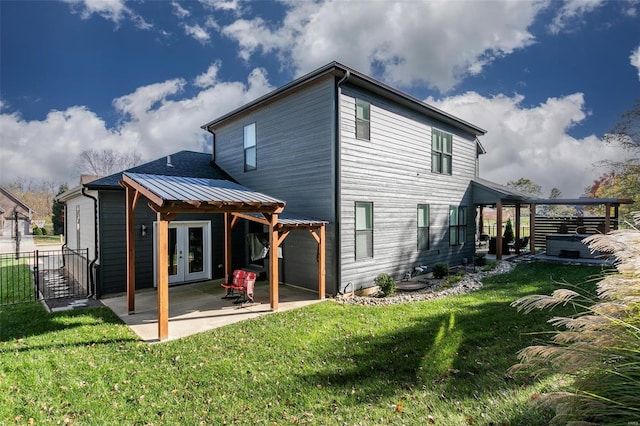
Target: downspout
<point x="346" y="76"/>
<point x="95" y="241"/>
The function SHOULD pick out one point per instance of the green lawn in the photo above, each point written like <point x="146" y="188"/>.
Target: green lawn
<point x="326" y="364"/>
<point x="16" y="282"/>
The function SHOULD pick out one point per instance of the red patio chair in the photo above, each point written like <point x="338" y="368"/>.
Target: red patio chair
<point x="246" y="290"/>
<point x="236" y="284"/>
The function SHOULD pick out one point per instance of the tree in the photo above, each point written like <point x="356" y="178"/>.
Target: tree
<point x="623" y="178"/>
<point x="106" y="161"/>
<point x="558" y="209"/>
<point x="57" y="212"/>
<point x="526" y="186"/>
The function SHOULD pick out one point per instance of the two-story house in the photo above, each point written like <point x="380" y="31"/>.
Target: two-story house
<point x="395" y="180"/>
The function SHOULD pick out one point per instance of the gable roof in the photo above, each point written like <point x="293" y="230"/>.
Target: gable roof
<point x="17" y="202"/>
<point x="183" y="163"/>
<point x="487" y="192"/>
<point x="357" y="78"/>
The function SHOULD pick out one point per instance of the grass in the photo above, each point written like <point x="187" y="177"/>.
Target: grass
<point x="326" y="364"/>
<point x="47" y="240"/>
<point x="16" y="283"/>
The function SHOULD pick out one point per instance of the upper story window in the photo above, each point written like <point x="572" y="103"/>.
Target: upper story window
<point x="250" y="153"/>
<point x="363" y="125"/>
<point x="457" y="225"/>
<point x="364" y="230"/>
<point x="423" y="226"/>
<point x="441" y="147"/>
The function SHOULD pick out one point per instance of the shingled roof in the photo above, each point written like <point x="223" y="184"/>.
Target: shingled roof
<point x="183" y="163"/>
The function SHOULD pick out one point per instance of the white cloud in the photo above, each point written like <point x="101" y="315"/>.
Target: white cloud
<point x="533" y="142"/>
<point x="635" y="59"/>
<point x="151" y="123"/>
<point x="112" y="10"/>
<point x="230" y="5"/>
<point x="179" y="11"/>
<point x="425" y="42"/>
<point x="208" y="78"/>
<point x="571" y="13"/>
<point x="197" y="32"/>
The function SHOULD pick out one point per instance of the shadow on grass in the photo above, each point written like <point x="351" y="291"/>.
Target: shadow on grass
<point x="28" y="320"/>
<point x="457" y="351"/>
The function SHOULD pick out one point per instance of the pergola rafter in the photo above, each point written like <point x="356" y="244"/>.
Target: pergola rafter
<point x="169" y="196"/>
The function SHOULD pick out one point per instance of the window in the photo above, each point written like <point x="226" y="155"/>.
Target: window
<point x="250" y="161"/>
<point x="364" y="230"/>
<point x="441" y="144"/>
<point x="363" y="125"/>
<point x="457" y="225"/>
<point x="423" y="226"/>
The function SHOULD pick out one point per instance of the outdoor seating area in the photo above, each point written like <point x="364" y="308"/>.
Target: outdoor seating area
<point x="199" y="307"/>
<point x="241" y="287"/>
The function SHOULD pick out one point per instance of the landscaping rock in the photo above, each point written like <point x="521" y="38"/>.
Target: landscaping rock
<point x="469" y="282"/>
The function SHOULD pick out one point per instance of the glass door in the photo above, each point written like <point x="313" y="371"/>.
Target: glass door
<point x="188" y="252"/>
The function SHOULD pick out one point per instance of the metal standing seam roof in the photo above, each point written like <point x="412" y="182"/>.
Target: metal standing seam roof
<point x="293" y="220"/>
<point x="187" y="189"/>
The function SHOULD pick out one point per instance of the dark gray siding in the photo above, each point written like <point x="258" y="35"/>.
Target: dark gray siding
<point x="112" y="236"/>
<point x="393" y="170"/>
<point x="295" y="162"/>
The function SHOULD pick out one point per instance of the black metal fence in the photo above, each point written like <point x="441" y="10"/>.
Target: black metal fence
<point x="44" y="275"/>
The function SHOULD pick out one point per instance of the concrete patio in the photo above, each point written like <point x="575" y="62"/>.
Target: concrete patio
<point x="198" y="307"/>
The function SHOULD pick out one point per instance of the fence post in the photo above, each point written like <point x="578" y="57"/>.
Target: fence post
<point x="36" y="273"/>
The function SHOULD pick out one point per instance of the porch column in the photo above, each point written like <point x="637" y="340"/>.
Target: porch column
<point x="499" y="230"/>
<point x="517" y="243"/>
<point x="273" y="262"/>
<point x="131" y="248"/>
<point x="481" y="221"/>
<point x="532" y="228"/>
<point x="227" y="247"/>
<point x="607" y="218"/>
<point x="163" y="276"/>
<point x="321" y="263"/>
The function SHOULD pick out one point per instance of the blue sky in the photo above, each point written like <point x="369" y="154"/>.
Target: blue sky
<point x="546" y="79"/>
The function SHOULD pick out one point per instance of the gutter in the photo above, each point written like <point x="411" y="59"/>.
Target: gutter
<point x="338" y="199"/>
<point x="92" y="293"/>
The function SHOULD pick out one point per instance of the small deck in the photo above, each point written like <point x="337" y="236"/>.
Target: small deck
<point x="198" y="307"/>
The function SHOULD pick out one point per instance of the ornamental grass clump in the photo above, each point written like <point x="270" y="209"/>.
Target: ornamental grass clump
<point x="599" y="348"/>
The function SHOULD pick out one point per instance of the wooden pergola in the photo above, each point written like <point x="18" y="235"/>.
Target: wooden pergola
<point x="170" y="195"/>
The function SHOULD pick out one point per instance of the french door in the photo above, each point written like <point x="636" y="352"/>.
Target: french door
<point x="189" y="257"/>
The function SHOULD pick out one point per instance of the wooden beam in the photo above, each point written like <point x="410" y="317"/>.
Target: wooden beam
<point x="251" y="218"/>
<point x="607" y="218"/>
<point x="163" y="277"/>
<point x="130" y="194"/>
<point x="144" y="191"/>
<point x="517" y="242"/>
<point x="314" y="235"/>
<point x="321" y="262"/>
<point x="499" y="230"/>
<point x="532" y="228"/>
<point x="234" y="220"/>
<point x="282" y="237"/>
<point x="273" y="263"/>
<point x="228" y="226"/>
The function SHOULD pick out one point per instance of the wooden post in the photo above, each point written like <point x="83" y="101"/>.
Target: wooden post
<point x="481" y="221"/>
<point x="499" y="230"/>
<point x="273" y="262"/>
<point x="131" y="249"/>
<point x="607" y="218"/>
<point x="163" y="277"/>
<point x="321" y="263"/>
<point x="532" y="228"/>
<point x="227" y="247"/>
<point x="517" y="243"/>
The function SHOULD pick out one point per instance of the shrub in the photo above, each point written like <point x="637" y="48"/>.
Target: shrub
<point x="480" y="259"/>
<point x="508" y="232"/>
<point x="452" y="279"/>
<point x="37" y="231"/>
<point x="386" y="283"/>
<point x="599" y="346"/>
<point x="440" y="270"/>
<point x="43" y="231"/>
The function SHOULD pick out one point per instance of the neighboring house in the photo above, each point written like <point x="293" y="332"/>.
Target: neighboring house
<point x="13" y="209"/>
<point x="195" y="240"/>
<point x="393" y="177"/>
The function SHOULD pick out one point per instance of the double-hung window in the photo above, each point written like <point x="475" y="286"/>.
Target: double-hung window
<point x="250" y="153"/>
<point x="457" y="225"/>
<point x="423" y="226"/>
<point x="441" y="147"/>
<point x="364" y="230"/>
<point x="363" y="125"/>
